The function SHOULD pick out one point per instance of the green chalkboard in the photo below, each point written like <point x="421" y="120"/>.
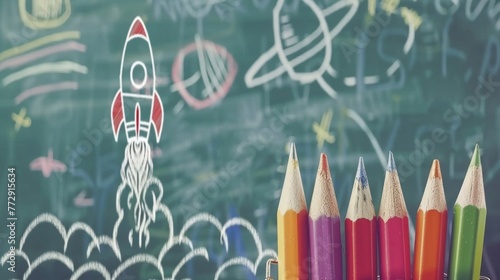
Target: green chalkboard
<point x="234" y="82"/>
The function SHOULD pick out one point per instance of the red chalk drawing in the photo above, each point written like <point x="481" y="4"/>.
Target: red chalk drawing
<point x="217" y="72"/>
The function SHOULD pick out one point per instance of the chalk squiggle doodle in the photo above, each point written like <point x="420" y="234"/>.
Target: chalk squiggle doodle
<point x="45" y="14"/>
<point x="217" y="72"/>
<point x="293" y="51"/>
<point x="241" y="260"/>
<point x="413" y="21"/>
<point x="140" y="193"/>
<point x="493" y="11"/>
<point x="198" y="9"/>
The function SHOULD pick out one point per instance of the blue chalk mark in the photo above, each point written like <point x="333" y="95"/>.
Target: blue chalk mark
<point x="487" y="67"/>
<point x="360" y="71"/>
<point x="391" y="84"/>
<point x="447" y="50"/>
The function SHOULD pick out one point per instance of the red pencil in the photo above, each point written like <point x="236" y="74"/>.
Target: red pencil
<point x="394" y="241"/>
<point x="361" y="230"/>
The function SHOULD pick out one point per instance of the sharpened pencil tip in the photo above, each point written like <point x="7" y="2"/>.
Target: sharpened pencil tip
<point x="323" y="201"/>
<point x="391" y="165"/>
<point x="292" y="194"/>
<point x="476" y="157"/>
<point x="436" y="169"/>
<point x="293" y="152"/>
<point x="323" y="163"/>
<point x="361" y="173"/>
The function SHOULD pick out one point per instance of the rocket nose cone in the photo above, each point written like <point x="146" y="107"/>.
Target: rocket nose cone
<point x="137" y="28"/>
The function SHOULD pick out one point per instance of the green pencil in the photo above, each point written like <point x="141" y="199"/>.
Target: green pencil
<point x="468" y="224"/>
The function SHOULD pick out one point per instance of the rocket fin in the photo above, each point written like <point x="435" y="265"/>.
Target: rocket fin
<point x="117" y="114"/>
<point x="157" y="115"/>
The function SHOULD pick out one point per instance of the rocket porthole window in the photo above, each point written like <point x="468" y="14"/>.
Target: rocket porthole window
<point x="132" y="75"/>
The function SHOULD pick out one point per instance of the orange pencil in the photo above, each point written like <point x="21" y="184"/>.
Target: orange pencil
<point x="293" y="231"/>
<point x="430" y="239"/>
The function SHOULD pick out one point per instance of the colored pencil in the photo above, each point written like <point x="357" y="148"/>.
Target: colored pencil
<point x="468" y="224"/>
<point x="394" y="242"/>
<point x="361" y="230"/>
<point x="324" y="227"/>
<point x="293" y="238"/>
<point x="430" y="239"/>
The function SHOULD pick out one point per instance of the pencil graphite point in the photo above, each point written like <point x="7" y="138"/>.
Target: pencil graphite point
<point x="476" y="157"/>
<point x="361" y="203"/>
<point x="293" y="151"/>
<point x="392" y="202"/>
<point x="391" y="165"/>
<point x="433" y="197"/>
<point x="323" y="202"/>
<point x="292" y="194"/>
<point x="436" y="170"/>
<point x="472" y="190"/>
<point x="324" y="163"/>
<point x="361" y="173"/>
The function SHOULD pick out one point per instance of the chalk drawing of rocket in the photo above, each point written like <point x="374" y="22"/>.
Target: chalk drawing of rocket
<point x="133" y="104"/>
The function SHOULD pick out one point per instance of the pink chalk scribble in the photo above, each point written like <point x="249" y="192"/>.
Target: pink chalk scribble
<point x="217" y="72"/>
<point x="29" y="57"/>
<point x="47" y="165"/>
<point x="82" y="201"/>
<point x="156" y="152"/>
<point x="45" y="89"/>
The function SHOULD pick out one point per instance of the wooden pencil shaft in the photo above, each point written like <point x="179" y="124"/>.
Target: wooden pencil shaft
<point x="361" y="249"/>
<point x="467" y="242"/>
<point x="430" y="245"/>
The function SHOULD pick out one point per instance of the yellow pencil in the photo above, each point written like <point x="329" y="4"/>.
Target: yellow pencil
<point x="293" y="233"/>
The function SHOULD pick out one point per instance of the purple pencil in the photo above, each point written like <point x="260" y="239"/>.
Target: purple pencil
<point x="324" y="227"/>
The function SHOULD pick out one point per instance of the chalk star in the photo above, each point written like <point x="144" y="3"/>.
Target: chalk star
<point x="21" y="120"/>
<point x="47" y="165"/>
<point x="389" y="6"/>
<point x="322" y="130"/>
